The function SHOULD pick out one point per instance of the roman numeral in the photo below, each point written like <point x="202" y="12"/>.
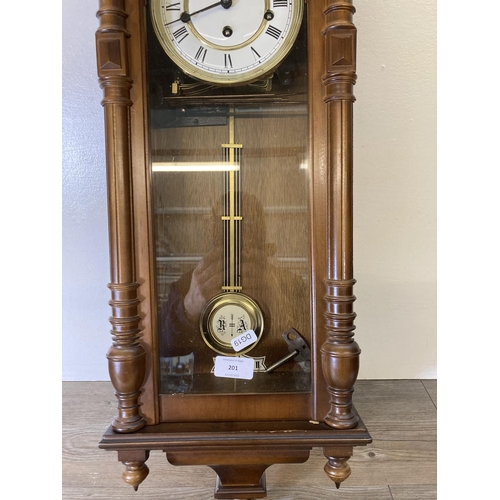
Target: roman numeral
<point x="172" y="6"/>
<point x="180" y="34"/>
<point x="227" y="61"/>
<point x="200" y="55"/>
<point x="272" y="31"/>
<point x="256" y="55"/>
<point x="280" y="3"/>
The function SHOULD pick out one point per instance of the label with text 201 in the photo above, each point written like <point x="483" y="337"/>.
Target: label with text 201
<point x="232" y="367"/>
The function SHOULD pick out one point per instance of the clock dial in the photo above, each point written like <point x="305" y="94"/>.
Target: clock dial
<point x="230" y="42"/>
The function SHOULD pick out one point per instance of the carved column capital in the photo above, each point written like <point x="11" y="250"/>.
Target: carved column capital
<point x="340" y="40"/>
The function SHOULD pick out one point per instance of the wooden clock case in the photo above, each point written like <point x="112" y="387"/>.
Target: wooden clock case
<point x="286" y="430"/>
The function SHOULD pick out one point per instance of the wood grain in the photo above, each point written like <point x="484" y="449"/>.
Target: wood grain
<point x="400" y="464"/>
<point x="396" y="409"/>
<point x="414" y="492"/>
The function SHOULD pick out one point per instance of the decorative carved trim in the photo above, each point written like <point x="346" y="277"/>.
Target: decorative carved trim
<point x="136" y="469"/>
<point x="135" y="473"/>
<point x="337" y="468"/>
<point x="110" y="54"/>
<point x="340" y="39"/>
<point x="339" y="314"/>
<point x="339" y="353"/>
<point x="126" y="357"/>
<point x="339" y="14"/>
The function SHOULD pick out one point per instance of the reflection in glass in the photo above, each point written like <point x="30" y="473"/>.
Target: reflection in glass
<point x="241" y="231"/>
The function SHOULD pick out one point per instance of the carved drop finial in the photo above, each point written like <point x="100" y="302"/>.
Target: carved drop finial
<point x="337" y="469"/>
<point x="135" y="473"/>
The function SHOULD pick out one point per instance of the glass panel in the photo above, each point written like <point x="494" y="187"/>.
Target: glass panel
<point x="230" y="195"/>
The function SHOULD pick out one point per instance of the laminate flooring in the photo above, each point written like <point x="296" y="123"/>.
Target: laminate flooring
<point x="400" y="464"/>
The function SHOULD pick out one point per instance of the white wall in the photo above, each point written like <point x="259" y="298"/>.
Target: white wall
<point x="395" y="188"/>
<point x="86" y="337"/>
<point x="395" y="193"/>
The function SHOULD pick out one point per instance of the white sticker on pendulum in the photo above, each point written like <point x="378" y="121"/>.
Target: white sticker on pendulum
<point x="244" y="340"/>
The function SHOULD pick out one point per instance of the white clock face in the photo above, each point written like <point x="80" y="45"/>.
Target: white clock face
<point x="229" y="41"/>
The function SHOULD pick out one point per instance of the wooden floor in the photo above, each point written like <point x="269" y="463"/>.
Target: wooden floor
<point x="400" y="464"/>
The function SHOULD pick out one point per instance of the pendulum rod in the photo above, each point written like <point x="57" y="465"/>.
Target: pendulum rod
<point x="231" y="154"/>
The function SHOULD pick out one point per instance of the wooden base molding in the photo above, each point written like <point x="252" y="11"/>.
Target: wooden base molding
<point x="249" y="449"/>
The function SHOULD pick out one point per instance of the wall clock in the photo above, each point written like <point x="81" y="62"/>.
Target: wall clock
<point x="229" y="163"/>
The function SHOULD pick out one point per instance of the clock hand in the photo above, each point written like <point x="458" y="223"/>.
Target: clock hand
<point x="186" y="16"/>
<point x="225" y="3"/>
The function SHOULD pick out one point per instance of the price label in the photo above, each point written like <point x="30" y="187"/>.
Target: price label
<point x="230" y="367"/>
<point x="244" y="340"/>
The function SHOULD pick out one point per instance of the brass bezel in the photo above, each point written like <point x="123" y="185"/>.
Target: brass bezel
<point x="225" y="299"/>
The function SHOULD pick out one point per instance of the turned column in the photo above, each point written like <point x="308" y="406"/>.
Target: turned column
<point x="340" y="353"/>
<point x="126" y="357"/>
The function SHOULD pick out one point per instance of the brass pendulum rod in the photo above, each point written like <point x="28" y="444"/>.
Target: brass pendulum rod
<point x="232" y="212"/>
